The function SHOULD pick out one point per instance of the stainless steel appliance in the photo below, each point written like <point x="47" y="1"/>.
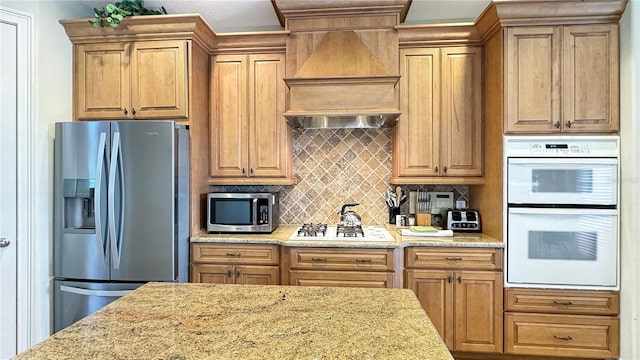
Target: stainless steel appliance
<point x="121" y="211"/>
<point x="243" y="212"/>
<point x="562" y="216"/>
<point x="462" y="221"/>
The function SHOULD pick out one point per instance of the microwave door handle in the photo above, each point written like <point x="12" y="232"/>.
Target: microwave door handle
<point x="102" y="245"/>
<point x="255" y="212"/>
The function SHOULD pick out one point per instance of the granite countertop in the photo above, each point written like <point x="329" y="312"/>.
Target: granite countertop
<point x="282" y="233"/>
<point x="209" y="321"/>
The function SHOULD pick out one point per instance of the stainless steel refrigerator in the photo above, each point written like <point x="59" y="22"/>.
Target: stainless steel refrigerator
<point x="121" y="211"/>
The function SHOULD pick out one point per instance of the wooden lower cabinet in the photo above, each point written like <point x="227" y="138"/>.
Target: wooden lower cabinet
<point x="465" y="305"/>
<point x="247" y="264"/>
<point x="342" y="267"/>
<point x="562" y="323"/>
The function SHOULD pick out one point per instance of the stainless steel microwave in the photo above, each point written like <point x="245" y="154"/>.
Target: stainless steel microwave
<point x="242" y="212"/>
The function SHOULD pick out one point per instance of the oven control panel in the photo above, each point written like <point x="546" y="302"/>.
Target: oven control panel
<point x="557" y="149"/>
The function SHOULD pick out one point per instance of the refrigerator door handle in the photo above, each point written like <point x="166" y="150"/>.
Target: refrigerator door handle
<point x="89" y="292"/>
<point x="116" y="164"/>
<point x="102" y="245"/>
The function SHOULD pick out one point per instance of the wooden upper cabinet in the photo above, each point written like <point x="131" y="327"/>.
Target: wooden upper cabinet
<point x="533" y="79"/>
<point x="250" y="139"/>
<point x="562" y="79"/>
<point x="438" y="138"/>
<point x="461" y="124"/>
<point x="591" y="88"/>
<point x="101" y="86"/>
<point x="159" y="79"/>
<point x="132" y="80"/>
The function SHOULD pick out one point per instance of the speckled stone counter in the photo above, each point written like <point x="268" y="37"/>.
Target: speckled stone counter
<point x="207" y="321"/>
<point x="281" y="237"/>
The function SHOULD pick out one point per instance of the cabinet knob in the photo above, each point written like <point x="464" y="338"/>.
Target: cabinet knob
<point x="243" y="171"/>
<point x="557" y="125"/>
<point x="133" y="111"/>
<point x="436" y="169"/>
<point x="449" y="279"/>
<point x="126" y="112"/>
<point x="445" y="169"/>
<point x="251" y="171"/>
<point x="459" y="279"/>
<point x="237" y="273"/>
<point x="229" y="273"/>
<point x="568" y="124"/>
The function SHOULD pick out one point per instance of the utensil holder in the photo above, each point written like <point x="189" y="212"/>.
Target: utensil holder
<point x="393" y="211"/>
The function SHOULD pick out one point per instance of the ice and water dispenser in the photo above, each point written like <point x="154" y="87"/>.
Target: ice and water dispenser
<point x="79" y="211"/>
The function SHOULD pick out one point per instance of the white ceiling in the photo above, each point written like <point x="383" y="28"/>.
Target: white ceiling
<point x="255" y="15"/>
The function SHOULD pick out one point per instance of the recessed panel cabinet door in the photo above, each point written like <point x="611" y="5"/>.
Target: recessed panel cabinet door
<point x="417" y="134"/>
<point x="102" y="81"/>
<point x="229" y="116"/>
<point x="268" y="128"/>
<point x="461" y="148"/>
<point x="159" y="79"/>
<point x="591" y="78"/>
<point x="533" y="79"/>
<point x="213" y="274"/>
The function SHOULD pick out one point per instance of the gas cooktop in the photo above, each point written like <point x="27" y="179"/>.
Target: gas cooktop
<point x="341" y="232"/>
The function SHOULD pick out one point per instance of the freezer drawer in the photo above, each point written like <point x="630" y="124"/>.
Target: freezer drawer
<point x="74" y="300"/>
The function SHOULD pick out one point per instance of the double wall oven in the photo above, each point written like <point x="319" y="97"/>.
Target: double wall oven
<point x="562" y="222"/>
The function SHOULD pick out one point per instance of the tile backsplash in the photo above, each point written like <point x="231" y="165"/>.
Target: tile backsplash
<point x="338" y="166"/>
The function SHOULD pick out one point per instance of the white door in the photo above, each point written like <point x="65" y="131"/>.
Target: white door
<point x="8" y="189"/>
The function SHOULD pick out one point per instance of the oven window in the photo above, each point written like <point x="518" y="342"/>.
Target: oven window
<point x="563" y="245"/>
<point x="562" y="181"/>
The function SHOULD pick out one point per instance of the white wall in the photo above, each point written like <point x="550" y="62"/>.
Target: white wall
<point x="52" y="102"/>
<point x="630" y="180"/>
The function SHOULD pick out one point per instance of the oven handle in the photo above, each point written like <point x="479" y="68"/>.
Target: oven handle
<point x="562" y="211"/>
<point x="563" y="161"/>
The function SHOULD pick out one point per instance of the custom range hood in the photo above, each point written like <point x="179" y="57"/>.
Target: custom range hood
<point x="342" y="62"/>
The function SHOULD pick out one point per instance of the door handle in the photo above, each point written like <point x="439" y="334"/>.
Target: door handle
<point x="116" y="164"/>
<point x="102" y="245"/>
<point x="89" y="292"/>
<point x="4" y="242"/>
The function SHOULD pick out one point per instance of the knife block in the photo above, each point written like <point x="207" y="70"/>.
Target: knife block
<point x="423" y="219"/>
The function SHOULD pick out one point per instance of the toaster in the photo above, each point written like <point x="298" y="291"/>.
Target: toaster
<point x="462" y="220"/>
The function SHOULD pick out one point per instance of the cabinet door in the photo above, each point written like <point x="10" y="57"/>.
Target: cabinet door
<point x="215" y="274"/>
<point x="257" y="275"/>
<point x="268" y="130"/>
<point x="228" y="124"/>
<point x="159" y="79"/>
<point x="434" y="291"/>
<point x="461" y="141"/>
<point x="101" y="81"/>
<point x="478" y="311"/>
<point x="591" y="77"/>
<point x="533" y="79"/>
<point x="416" y="137"/>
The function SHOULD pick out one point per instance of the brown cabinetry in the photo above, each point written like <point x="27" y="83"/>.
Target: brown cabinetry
<point x="235" y="264"/>
<point x="340" y="267"/>
<point x="250" y="139"/>
<point x="131" y="80"/>
<point x="461" y="291"/>
<point x="438" y="138"/>
<point x="562" y="79"/>
<point x="570" y="323"/>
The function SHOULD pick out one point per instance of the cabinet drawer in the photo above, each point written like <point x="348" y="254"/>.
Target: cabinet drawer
<point x="361" y="279"/>
<point x="562" y="301"/>
<point x="342" y="259"/>
<point x="562" y="335"/>
<point x="235" y="254"/>
<point x="454" y="258"/>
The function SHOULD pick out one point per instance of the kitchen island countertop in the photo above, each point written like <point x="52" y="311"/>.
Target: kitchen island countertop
<point x="209" y="321"/>
<point x="282" y="233"/>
